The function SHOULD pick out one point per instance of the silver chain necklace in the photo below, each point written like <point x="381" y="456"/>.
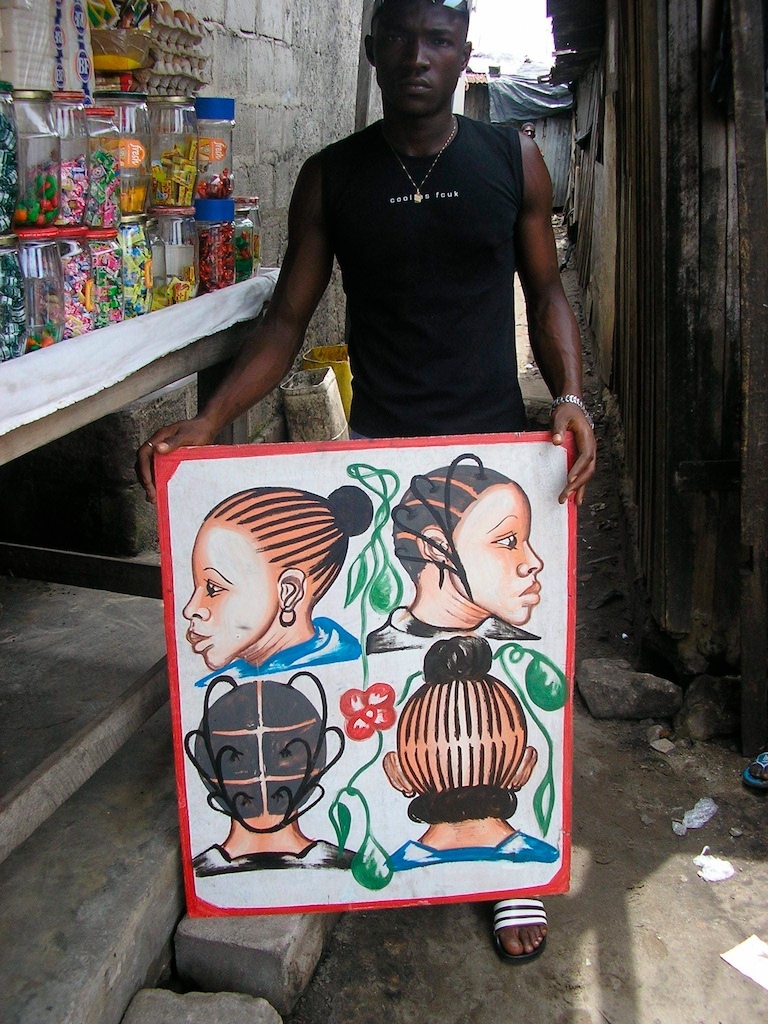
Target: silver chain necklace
<point x="417" y="195"/>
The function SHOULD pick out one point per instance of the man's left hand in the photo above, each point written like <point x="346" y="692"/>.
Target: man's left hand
<point x="569" y="417"/>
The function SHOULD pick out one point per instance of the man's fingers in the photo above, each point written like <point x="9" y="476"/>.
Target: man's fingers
<point x="144" y="472"/>
<point x="571" y="418"/>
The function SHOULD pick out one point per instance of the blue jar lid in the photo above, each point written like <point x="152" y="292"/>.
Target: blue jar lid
<point x="215" y="108"/>
<point x="215" y="209"/>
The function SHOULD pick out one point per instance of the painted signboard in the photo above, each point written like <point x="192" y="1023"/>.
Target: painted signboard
<point x="370" y="650"/>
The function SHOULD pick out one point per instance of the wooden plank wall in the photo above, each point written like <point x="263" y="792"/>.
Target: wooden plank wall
<point x="675" y="359"/>
<point x="748" y="33"/>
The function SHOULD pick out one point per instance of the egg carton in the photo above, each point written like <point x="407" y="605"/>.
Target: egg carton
<point x="169" y="85"/>
<point x="175" y="25"/>
<point x="175" y="65"/>
<point x="164" y="50"/>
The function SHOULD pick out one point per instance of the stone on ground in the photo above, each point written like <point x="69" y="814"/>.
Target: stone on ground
<point x="612" y="689"/>
<point x="710" y="708"/>
<point x="156" y="1006"/>
<point x="273" y="956"/>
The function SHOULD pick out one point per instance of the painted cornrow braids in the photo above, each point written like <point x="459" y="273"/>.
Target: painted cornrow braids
<point x="439" y="498"/>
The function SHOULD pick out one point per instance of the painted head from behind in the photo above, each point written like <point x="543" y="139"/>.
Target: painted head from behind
<point x="461" y="739"/>
<point x="261" y="750"/>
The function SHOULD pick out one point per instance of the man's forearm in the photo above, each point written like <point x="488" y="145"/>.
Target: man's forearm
<point x="556" y="343"/>
<point x="263" y="362"/>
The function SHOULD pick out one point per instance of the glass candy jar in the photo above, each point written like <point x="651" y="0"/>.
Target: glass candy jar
<point x="103" y="205"/>
<point x="13" y="317"/>
<point x="9" y="170"/>
<point x="132" y="116"/>
<point x="174" y="255"/>
<point x="78" y="286"/>
<point x="243" y="241"/>
<point x="43" y="287"/>
<point x="68" y="113"/>
<point x="39" y="160"/>
<point x="106" y="276"/>
<point x="137" y="266"/>
<point x="215" y="237"/>
<point x="215" y="126"/>
<point x="173" y="150"/>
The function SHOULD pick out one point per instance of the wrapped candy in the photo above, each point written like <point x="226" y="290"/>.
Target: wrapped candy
<point x="106" y="276"/>
<point x="12" y="308"/>
<point x="9" y="171"/>
<point x="78" y="286"/>
<point x="137" y="267"/>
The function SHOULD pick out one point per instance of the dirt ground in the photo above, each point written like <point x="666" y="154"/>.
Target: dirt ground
<point x="637" y="939"/>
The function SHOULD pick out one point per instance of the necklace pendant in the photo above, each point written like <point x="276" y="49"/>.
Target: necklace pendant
<point x="417" y="197"/>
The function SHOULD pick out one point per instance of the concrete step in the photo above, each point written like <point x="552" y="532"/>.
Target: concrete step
<point x="155" y="1006"/>
<point x="90" y="900"/>
<point x="29" y="803"/>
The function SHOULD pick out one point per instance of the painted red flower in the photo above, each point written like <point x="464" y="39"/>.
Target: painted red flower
<point x="368" y="711"/>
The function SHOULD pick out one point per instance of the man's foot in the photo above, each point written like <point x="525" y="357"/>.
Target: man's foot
<point x="756" y="774"/>
<point x="519" y="929"/>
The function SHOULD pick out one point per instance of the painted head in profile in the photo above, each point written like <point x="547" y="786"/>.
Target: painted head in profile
<point x="261" y="561"/>
<point x="463" y="535"/>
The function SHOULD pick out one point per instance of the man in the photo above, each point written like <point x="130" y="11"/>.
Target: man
<point x="529" y="129"/>
<point x="429" y="215"/>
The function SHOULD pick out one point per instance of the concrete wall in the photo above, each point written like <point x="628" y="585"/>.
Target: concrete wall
<point x="292" y="67"/>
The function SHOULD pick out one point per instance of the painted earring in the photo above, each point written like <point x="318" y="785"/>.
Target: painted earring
<point x="287" y="617"/>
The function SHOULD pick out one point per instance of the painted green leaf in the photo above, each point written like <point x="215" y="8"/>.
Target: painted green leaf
<point x="370" y="865"/>
<point x="546" y="684"/>
<point x="341" y="817"/>
<point x="386" y="590"/>
<point x="544" y="802"/>
<point x="357" y="577"/>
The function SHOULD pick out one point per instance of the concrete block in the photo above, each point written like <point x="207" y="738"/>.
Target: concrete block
<point x="208" y="10"/>
<point x="91" y="899"/>
<point x="273" y="956"/>
<point x="261" y="67"/>
<point x="274" y="18"/>
<point x="239" y="17"/>
<point x="157" y="1006"/>
<point x="80" y="492"/>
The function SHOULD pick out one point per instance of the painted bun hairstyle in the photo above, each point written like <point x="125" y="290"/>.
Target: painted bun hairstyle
<point x="461" y="736"/>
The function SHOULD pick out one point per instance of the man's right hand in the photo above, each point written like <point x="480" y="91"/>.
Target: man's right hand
<point x="185" y="434"/>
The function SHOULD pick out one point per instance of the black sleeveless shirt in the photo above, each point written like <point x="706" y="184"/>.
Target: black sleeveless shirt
<point x="429" y="285"/>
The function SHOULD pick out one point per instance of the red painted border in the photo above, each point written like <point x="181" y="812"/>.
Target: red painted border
<point x="165" y="467"/>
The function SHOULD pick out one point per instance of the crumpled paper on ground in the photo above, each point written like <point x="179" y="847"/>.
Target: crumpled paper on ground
<point x="713" y="869"/>
<point x="699" y="815"/>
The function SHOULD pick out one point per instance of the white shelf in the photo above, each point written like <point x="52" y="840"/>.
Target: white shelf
<point x="49" y="393"/>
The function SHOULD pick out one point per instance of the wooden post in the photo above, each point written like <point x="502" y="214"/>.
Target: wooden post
<point x="747" y="33"/>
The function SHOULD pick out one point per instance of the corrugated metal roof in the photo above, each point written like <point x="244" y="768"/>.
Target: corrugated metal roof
<point x="578" y="28"/>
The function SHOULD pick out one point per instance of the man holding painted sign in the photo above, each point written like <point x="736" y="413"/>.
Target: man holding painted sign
<point x="429" y="216"/>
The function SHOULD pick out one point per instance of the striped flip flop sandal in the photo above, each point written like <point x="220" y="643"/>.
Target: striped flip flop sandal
<point x="516" y="913"/>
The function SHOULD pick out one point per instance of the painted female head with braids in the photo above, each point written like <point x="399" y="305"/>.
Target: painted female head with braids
<point x="462" y="532"/>
<point x="261" y="560"/>
<point x="462" y="745"/>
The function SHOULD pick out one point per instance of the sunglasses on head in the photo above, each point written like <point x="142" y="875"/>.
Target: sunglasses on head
<point x="462" y="6"/>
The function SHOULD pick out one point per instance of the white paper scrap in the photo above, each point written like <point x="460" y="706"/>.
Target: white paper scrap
<point x="751" y="958"/>
<point x="713" y="869"/>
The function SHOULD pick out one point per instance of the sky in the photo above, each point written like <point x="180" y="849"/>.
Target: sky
<point x="510" y="31"/>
